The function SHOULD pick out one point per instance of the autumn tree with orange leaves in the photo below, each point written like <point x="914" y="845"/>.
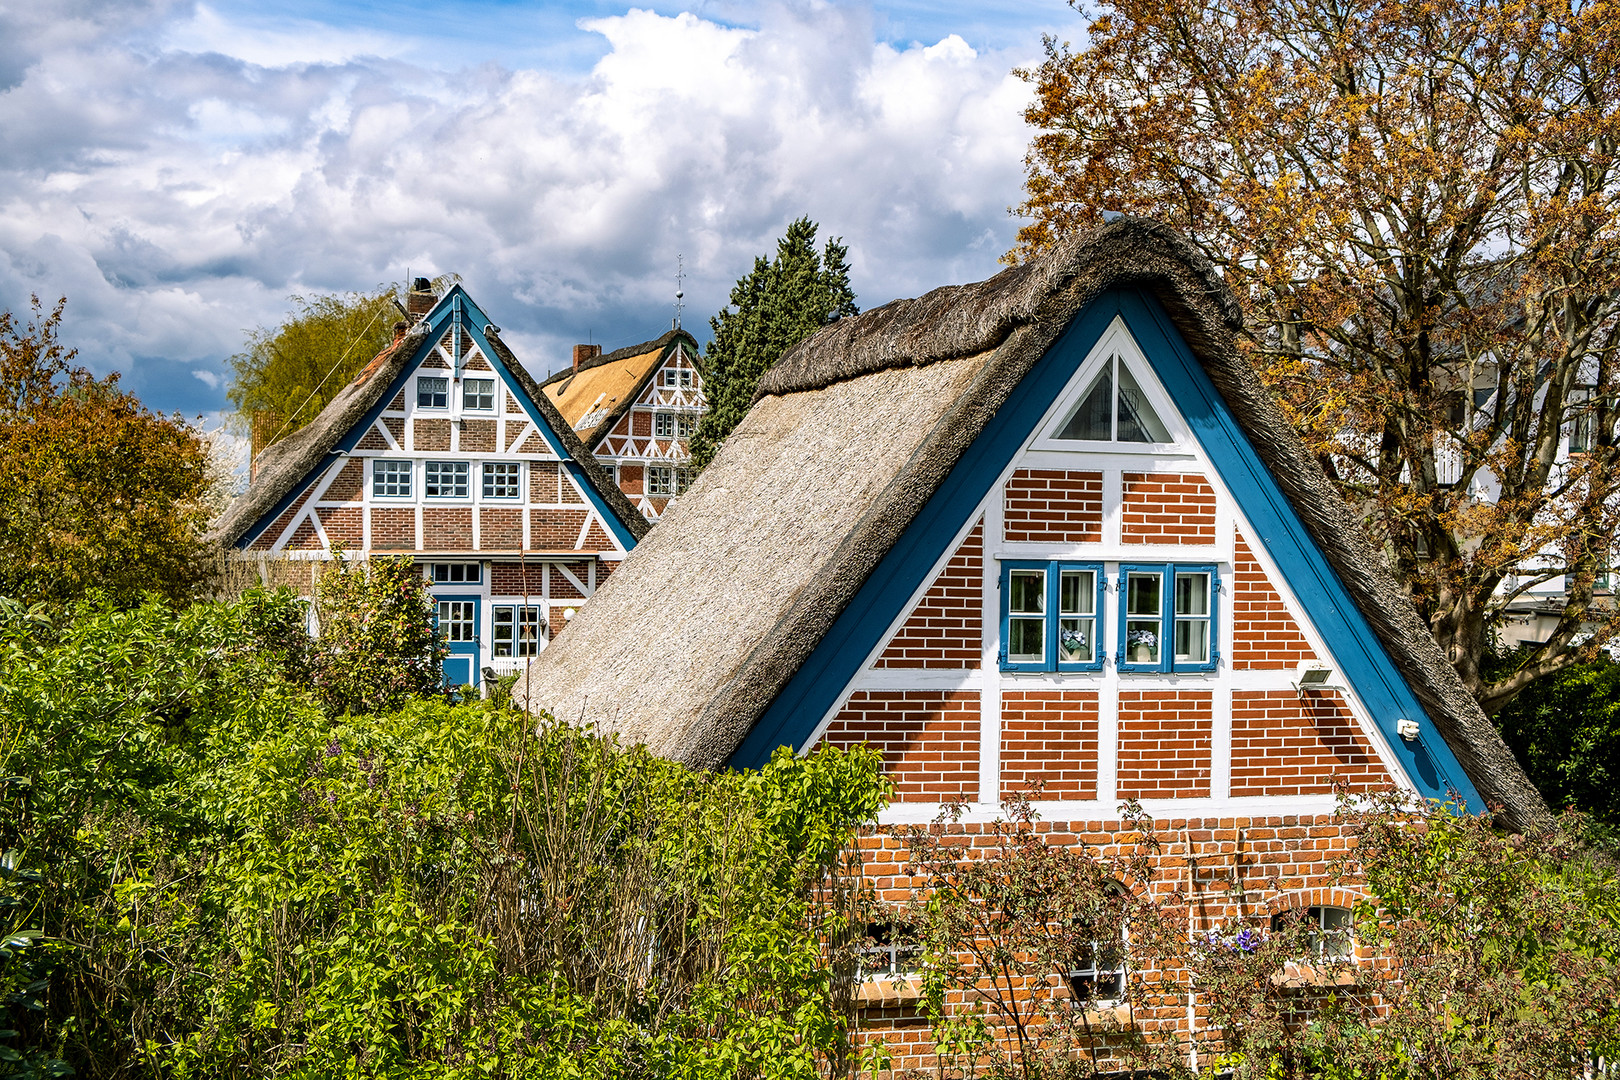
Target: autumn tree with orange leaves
<point x="1416" y="204"/>
<point x="96" y="491"/>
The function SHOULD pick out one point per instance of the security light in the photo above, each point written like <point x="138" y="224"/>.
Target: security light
<point x="1407" y="729"/>
<point x="1312" y="676"/>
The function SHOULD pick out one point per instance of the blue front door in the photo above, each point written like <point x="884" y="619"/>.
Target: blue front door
<point x="458" y="621"/>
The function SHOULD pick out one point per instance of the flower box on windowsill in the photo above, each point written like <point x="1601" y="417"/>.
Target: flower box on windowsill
<point x="883" y="991"/>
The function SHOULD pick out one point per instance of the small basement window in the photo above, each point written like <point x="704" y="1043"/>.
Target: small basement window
<point x="1329" y="931"/>
<point x="891" y="951"/>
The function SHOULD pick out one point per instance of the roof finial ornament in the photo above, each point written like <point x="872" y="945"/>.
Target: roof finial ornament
<point x="680" y="289"/>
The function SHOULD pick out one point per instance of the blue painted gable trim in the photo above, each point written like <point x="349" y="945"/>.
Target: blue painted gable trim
<point x="438" y="321"/>
<point x="795" y="713"/>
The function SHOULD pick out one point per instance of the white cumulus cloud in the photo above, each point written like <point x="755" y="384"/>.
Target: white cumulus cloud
<point x="177" y="175"/>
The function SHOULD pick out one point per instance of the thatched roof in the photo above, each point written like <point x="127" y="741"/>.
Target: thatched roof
<point x="687" y="645"/>
<point x="284" y="467"/>
<point x="594" y="396"/>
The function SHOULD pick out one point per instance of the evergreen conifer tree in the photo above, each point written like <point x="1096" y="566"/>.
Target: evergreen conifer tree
<point x="774" y="307"/>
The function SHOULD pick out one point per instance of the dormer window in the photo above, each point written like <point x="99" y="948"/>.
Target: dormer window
<point x="1114" y="409"/>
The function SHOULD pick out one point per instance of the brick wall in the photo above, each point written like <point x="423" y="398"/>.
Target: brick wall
<point x="393" y="527"/>
<point x="447" y="528"/>
<point x="372" y="440"/>
<point x="555" y="530"/>
<point x="268" y="538"/>
<point x="640" y="423"/>
<point x="396" y="428"/>
<point x="478" y="436"/>
<point x="630" y="479"/>
<point x="1164" y="743"/>
<point x="517" y="579"/>
<point x="398" y="404"/>
<point x="567" y="490"/>
<point x="512" y="405"/>
<point x="562" y="588"/>
<point x="343" y="525"/>
<point x="929" y="739"/>
<point x="1233" y="868"/>
<point x="1049" y="737"/>
<point x="596" y="538"/>
<point x="543" y="482"/>
<point x="433" y="434"/>
<point x="1285" y="742"/>
<point x="946" y="630"/>
<point x="1264" y="634"/>
<point x="348" y="484"/>
<point x="500" y="528"/>
<point x="1167" y="508"/>
<point x="1053" y="506"/>
<point x="305" y="538"/>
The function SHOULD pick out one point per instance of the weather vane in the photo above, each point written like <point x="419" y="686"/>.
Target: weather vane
<point x="680" y="290"/>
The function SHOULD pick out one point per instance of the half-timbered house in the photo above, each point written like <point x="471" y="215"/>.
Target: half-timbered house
<point x="1048" y="529"/>
<point x="443" y="448"/>
<point x="635" y="409"/>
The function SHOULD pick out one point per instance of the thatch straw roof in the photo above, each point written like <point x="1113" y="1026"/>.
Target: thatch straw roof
<point x="689" y="642"/>
<point x="602" y="389"/>
<point x="284" y="467"/>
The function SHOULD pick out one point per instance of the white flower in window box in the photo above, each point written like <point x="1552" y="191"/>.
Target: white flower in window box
<point x="1144" y="646"/>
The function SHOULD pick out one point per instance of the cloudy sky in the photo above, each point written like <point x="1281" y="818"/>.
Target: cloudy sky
<point x="178" y="169"/>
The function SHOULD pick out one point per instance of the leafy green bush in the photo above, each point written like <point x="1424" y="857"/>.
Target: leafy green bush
<point x="244" y="886"/>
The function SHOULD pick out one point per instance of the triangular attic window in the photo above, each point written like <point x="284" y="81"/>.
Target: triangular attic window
<point x="1114" y="409"/>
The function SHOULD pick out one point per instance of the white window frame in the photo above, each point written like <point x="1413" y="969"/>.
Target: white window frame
<point x="518" y="616"/>
<point x="665" y="425"/>
<point x="461" y="479"/>
<point x="384" y="468"/>
<point x="661" y="481"/>
<point x="501" y="473"/>
<point x="467" y="395"/>
<point x="456" y="573"/>
<point x="1323" y="937"/>
<point x="443" y="391"/>
<point x="450" y="624"/>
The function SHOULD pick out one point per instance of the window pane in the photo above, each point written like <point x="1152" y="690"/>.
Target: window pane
<point x="660" y="480"/>
<point x="504" y="625"/>
<point x="432" y="393"/>
<point x="1075" y="638"/>
<point x="501" y="480"/>
<point x="1192" y="594"/>
<point x="1192" y="640"/>
<point x="478" y="394"/>
<point x="1026" y="642"/>
<point x="391" y="478"/>
<point x="446" y="480"/>
<point x="1137" y="420"/>
<point x="456" y="620"/>
<point x="1026" y="591"/>
<point x="664" y="425"/>
<point x="1077" y="592"/>
<point x="1094" y="418"/>
<point x="1142" y="593"/>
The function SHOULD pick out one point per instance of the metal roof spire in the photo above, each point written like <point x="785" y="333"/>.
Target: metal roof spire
<point x="680" y="289"/>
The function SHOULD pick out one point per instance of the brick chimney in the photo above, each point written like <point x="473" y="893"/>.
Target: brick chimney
<point x="583" y="353"/>
<point x="421" y="299"/>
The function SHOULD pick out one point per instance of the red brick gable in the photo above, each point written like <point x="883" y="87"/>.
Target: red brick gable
<point x="1049" y="739"/>
<point x="1053" y="506"/>
<point x="946" y="629"/>
<point x="1165" y="744"/>
<point x="1288" y="742"/>
<point x="1168" y="508"/>
<point x="929" y="739"/>
<point x="1264" y="634"/>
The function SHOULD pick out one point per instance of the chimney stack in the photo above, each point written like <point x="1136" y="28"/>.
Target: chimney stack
<point x="583" y="353"/>
<point x="421" y="299"/>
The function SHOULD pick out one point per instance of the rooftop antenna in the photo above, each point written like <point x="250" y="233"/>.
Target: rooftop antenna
<point x="680" y="289"/>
